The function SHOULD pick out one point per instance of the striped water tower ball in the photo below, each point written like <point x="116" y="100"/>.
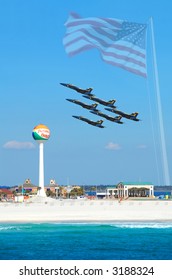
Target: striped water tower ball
<point x="41" y="133"/>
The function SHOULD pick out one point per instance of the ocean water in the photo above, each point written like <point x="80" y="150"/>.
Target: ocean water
<point x="112" y="241"/>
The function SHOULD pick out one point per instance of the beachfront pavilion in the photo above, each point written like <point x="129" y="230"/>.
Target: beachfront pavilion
<point x="126" y="189"/>
<point x="135" y="189"/>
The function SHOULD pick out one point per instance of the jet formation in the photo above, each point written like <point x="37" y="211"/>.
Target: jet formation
<point x="93" y="107"/>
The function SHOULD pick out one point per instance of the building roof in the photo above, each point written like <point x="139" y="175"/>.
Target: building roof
<point x="136" y="183"/>
<point x="5" y="191"/>
<point x="112" y="187"/>
<point x="29" y="186"/>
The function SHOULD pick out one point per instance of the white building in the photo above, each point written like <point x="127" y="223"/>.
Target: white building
<point x="124" y="190"/>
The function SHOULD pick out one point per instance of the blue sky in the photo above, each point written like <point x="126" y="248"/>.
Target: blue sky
<point x="32" y="64"/>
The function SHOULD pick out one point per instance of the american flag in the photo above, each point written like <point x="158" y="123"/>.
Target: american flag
<point x="121" y="43"/>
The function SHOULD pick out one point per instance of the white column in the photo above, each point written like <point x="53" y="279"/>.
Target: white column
<point x="152" y="190"/>
<point x="41" y="191"/>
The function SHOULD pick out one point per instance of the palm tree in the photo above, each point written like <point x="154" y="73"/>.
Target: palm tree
<point x="76" y="192"/>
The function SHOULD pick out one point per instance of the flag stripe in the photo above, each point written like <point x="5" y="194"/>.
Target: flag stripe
<point x="120" y="50"/>
<point x="120" y="43"/>
<point x="97" y="22"/>
<point x="107" y="37"/>
<point x="133" y="66"/>
<point x="124" y="58"/>
<point x="70" y="39"/>
<point x="130" y="69"/>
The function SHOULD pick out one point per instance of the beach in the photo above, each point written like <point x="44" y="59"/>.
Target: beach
<point x="68" y="210"/>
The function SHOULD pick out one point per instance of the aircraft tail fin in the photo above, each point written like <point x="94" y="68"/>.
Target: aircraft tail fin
<point x="100" y="121"/>
<point x="119" y="118"/>
<point x="95" y="105"/>
<point x="134" y="114"/>
<point x="112" y="101"/>
<point x="89" y="90"/>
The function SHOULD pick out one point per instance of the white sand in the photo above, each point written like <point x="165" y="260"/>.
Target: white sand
<point x="51" y="210"/>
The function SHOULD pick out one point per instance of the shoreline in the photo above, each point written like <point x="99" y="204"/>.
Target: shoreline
<point x="86" y="211"/>
<point x="82" y="222"/>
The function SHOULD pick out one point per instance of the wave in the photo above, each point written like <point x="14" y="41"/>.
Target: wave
<point x="13" y="227"/>
<point x="122" y="225"/>
<point x="153" y="225"/>
<point x="142" y="225"/>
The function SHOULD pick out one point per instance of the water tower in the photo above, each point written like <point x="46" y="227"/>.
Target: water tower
<point x="41" y="134"/>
